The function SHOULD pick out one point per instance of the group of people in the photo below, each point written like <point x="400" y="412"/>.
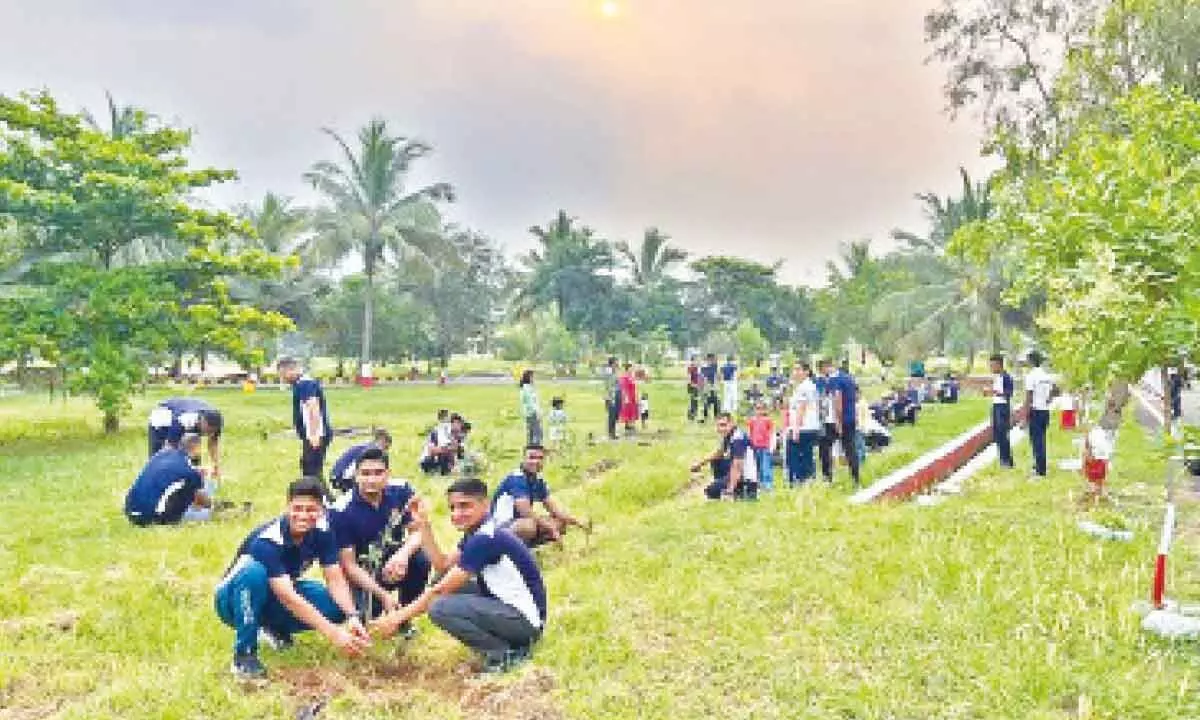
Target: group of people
<point x="381" y="562"/>
<point x="1040" y="391"/>
<point x="822" y="411"/>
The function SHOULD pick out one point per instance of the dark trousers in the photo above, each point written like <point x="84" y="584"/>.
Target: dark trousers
<point x="1001" y="422"/>
<point x="693" y="401"/>
<point x="1039" y="422"/>
<point x="612" y="406"/>
<point x="803" y="467"/>
<point x="743" y="490"/>
<point x="850" y="448"/>
<point x="312" y="460"/>
<point x="711" y="401"/>
<point x="438" y="463"/>
<point x="486" y="625"/>
<point x="825" y="449"/>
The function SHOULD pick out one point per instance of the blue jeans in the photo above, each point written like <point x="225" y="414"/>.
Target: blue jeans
<point x="860" y="446"/>
<point x="766" y="471"/>
<point x="245" y="603"/>
<point x="805" y="467"/>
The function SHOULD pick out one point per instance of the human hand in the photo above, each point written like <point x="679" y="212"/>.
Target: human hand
<point x="389" y="603"/>
<point x="387" y="624"/>
<point x="396" y="568"/>
<point x="349" y="641"/>
<point x="418" y="509"/>
<point x="314" y="443"/>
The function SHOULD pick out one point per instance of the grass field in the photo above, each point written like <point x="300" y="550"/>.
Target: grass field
<point x="991" y="605"/>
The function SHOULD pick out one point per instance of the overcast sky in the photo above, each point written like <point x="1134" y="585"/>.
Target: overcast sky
<point x="770" y="129"/>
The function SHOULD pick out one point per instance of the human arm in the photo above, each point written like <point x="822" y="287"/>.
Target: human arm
<point x="736" y="468"/>
<point x="396" y="567"/>
<point x="441" y="561"/>
<point x="351" y="641"/>
<point x="360" y="578"/>
<point x="214" y="455"/>
<point x="560" y="513"/>
<point x="312" y="421"/>
<point x="714" y="455"/>
<point x="451" y="582"/>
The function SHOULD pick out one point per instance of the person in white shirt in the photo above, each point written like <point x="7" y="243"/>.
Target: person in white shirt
<point x="804" y="426"/>
<point x="1039" y="391"/>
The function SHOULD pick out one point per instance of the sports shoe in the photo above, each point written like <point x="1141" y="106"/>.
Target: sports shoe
<point x="246" y="666"/>
<point x="274" y="640"/>
<point x="512" y="659"/>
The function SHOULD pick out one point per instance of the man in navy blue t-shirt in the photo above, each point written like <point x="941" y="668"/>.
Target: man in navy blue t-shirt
<point x="729" y="396"/>
<point x="173" y="417"/>
<point x="170" y="488"/>
<point x="262" y="589"/>
<point x="512" y="503"/>
<point x="310" y="417"/>
<point x="376" y="556"/>
<point x="342" y="476"/>
<point x="844" y="390"/>
<point x="491" y="597"/>
<point x="733" y="468"/>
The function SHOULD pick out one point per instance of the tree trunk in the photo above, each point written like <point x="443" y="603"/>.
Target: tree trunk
<point x="203" y="359"/>
<point x="1114" y="405"/>
<point x="368" y="310"/>
<point x="112" y="422"/>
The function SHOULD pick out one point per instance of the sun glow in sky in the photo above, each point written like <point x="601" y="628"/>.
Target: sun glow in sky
<point x="610" y="8"/>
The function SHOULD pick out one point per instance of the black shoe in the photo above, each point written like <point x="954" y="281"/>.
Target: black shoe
<point x="246" y="666"/>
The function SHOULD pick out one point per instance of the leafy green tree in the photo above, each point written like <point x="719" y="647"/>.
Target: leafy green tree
<point x="571" y="272"/>
<point x="371" y="214"/>
<point x="653" y="260"/>
<point x="751" y="344"/>
<point x="82" y="196"/>
<point x="1109" y="228"/>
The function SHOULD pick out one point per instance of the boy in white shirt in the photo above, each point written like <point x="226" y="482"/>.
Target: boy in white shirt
<point x="1039" y="391"/>
<point x="557" y="419"/>
<point x="1002" y="390"/>
<point x="804" y="426"/>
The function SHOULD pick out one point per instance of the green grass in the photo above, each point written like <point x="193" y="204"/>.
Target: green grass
<point x="991" y="605"/>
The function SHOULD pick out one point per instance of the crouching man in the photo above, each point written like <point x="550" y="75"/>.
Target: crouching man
<point x="170" y="488"/>
<point x="376" y="556"/>
<point x="261" y="590"/>
<point x="491" y="596"/>
<point x="512" y="505"/>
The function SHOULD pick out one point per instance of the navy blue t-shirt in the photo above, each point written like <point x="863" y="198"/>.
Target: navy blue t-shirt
<point x="165" y="475"/>
<point x="710" y="373"/>
<point x="304" y="389"/>
<point x="506" y="570"/>
<point x="347" y="462"/>
<point x="516" y="486"/>
<point x="728" y="371"/>
<point x="173" y="417"/>
<point x="272" y="545"/>
<point x="734" y="445"/>
<point x="844" y="383"/>
<point x="358" y="524"/>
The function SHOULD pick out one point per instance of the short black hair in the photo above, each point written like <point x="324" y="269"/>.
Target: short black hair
<point x="466" y="426"/>
<point x="526" y="378"/>
<point x="1035" y="358"/>
<point x="306" y="487"/>
<point x="456" y="416"/>
<point x="374" y="453"/>
<point x="384" y="435"/>
<point x="997" y="359"/>
<point x="534" y="446"/>
<point x="443" y="414"/>
<point x="725" y="416"/>
<point x="214" y="421"/>
<point x="824" y="362"/>
<point x="556" y="402"/>
<point x="471" y="487"/>
<point x="806" y="366"/>
<point x="188" y="441"/>
<point x="286" y="361"/>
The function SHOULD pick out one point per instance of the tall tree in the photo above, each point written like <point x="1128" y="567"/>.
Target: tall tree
<point x="84" y="195"/>
<point x="371" y="213"/>
<point x="570" y="271"/>
<point x="651" y="262"/>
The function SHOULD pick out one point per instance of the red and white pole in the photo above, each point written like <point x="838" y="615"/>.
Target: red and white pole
<point x="1160" y="562"/>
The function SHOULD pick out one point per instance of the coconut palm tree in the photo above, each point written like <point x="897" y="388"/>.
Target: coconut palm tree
<point x="570" y="270"/>
<point x="371" y="213"/>
<point x="653" y="260"/>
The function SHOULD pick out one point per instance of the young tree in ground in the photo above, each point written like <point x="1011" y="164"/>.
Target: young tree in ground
<point x="85" y="195"/>
<point x="1109" y="228"/>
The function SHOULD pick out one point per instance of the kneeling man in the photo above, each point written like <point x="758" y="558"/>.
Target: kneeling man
<point x="512" y="505"/>
<point x="170" y="487"/>
<point x="369" y="523"/>
<point x="491" y="596"/>
<point x="262" y="589"/>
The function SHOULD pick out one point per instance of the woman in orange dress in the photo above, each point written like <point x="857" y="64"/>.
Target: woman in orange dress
<point x="629" y="398"/>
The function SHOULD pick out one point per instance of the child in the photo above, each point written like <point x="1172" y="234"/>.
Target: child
<point x="644" y="409"/>
<point x="558" y="421"/>
<point x="762" y="440"/>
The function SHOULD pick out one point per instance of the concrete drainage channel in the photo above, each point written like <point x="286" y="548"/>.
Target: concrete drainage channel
<point x="942" y="470"/>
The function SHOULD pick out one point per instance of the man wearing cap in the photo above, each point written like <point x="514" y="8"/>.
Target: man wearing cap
<point x="173" y="417"/>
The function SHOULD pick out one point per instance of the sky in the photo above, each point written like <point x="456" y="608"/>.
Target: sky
<point x="767" y="129"/>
